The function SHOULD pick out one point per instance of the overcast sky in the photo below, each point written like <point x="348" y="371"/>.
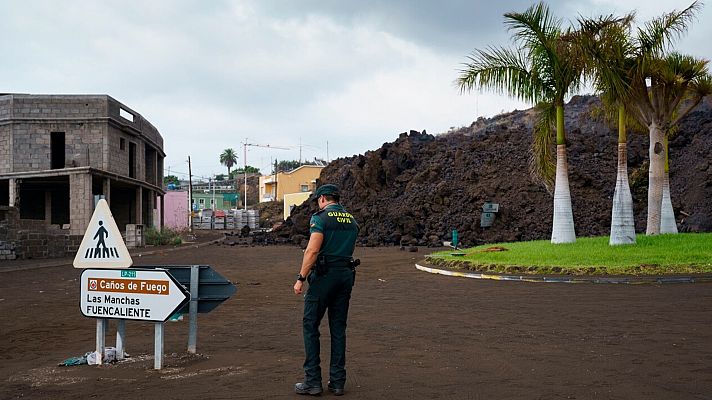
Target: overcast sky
<point x="209" y="74"/>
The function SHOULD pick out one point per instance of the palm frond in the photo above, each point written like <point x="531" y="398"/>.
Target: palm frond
<point x="542" y="162"/>
<point x="702" y="85"/>
<point x="503" y="70"/>
<point x="534" y="27"/>
<point x="657" y="35"/>
<point x="605" y="45"/>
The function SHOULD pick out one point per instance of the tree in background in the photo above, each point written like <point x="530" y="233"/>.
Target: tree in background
<point x="665" y="86"/>
<point x="605" y="45"/>
<point x="543" y="69"/>
<point x="286" y="165"/>
<point x="289" y="165"/>
<point x="170" y="179"/>
<point x="228" y="158"/>
<point x="239" y="171"/>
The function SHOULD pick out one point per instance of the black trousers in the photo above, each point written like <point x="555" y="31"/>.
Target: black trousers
<point x="332" y="292"/>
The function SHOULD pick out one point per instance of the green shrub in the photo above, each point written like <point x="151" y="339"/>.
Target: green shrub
<point x="162" y="237"/>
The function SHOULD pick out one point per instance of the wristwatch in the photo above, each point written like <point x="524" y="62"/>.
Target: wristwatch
<point x="301" y="278"/>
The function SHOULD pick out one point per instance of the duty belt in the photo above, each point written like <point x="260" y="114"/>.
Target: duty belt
<point x="343" y="263"/>
<point x="322" y="265"/>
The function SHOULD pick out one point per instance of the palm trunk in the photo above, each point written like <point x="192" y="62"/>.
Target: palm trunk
<point x="656" y="175"/>
<point x="622" y="221"/>
<point x="667" y="214"/>
<point x="563" y="229"/>
<point x="563" y="225"/>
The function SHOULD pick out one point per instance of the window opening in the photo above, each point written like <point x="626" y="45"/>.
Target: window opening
<point x="57" y="150"/>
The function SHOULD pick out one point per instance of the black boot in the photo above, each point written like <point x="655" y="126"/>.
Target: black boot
<point x="303" y="388"/>
<point x="335" y="390"/>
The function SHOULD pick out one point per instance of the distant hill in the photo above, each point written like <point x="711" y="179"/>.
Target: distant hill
<point x="420" y="187"/>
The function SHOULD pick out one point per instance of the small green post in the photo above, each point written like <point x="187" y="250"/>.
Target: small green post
<point x="454" y="238"/>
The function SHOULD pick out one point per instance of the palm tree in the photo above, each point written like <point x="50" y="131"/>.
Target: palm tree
<point x="701" y="85"/>
<point x="228" y="158"/>
<point x="660" y="105"/>
<point x="606" y="46"/>
<point x="542" y="70"/>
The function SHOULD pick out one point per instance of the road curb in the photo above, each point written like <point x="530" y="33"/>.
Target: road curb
<point x="629" y="280"/>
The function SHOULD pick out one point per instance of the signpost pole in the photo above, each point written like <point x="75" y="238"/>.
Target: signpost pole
<point x="158" y="346"/>
<point x="120" y="339"/>
<point x="100" y="336"/>
<point x="193" y="309"/>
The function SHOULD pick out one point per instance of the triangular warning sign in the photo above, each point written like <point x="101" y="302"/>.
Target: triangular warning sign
<point x="102" y="245"/>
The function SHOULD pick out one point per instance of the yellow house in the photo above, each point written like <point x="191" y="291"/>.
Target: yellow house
<point x="299" y="180"/>
<point x="292" y="200"/>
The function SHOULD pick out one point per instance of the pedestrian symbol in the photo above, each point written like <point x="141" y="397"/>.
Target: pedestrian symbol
<point x="102" y="245"/>
<point x="101" y="250"/>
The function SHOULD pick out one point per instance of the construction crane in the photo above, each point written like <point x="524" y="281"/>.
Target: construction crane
<point x="244" y="159"/>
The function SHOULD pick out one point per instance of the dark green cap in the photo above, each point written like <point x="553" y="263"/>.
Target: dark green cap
<point x="329" y="189"/>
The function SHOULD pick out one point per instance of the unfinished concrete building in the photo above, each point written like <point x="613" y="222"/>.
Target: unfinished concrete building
<point x="57" y="154"/>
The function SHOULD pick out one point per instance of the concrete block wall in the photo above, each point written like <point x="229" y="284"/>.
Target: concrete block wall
<point x="119" y="159"/>
<point x="5" y="146"/>
<point x="80" y="202"/>
<point x="139" y="123"/>
<point x="5" y="107"/>
<point x="31" y="149"/>
<point x="7" y="250"/>
<point x="25" y="239"/>
<point x="27" y="121"/>
<point x="58" y="106"/>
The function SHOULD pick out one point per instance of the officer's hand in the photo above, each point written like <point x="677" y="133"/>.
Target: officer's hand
<point x="298" y="287"/>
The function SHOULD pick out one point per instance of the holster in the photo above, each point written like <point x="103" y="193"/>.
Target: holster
<point x="322" y="266"/>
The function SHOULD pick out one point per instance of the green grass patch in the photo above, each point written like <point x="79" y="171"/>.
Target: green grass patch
<point x="162" y="237"/>
<point x="685" y="253"/>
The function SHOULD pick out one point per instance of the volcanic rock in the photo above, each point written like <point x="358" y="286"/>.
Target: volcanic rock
<point x="417" y="189"/>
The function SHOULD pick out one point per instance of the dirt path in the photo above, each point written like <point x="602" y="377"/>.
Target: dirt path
<point x="411" y="335"/>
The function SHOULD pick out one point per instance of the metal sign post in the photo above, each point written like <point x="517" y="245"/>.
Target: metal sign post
<point x="158" y="346"/>
<point x="150" y="293"/>
<point x="208" y="289"/>
<point x="120" y="339"/>
<point x="101" y="324"/>
<point x="146" y="295"/>
<point x="193" y="309"/>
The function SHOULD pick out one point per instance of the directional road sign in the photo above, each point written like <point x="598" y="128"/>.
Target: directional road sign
<point x="213" y="288"/>
<point x="147" y="295"/>
<point x="102" y="245"/>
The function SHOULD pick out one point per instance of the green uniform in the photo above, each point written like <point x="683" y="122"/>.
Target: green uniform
<point x="340" y="230"/>
<point x="330" y="291"/>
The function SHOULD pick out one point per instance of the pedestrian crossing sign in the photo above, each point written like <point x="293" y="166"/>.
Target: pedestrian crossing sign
<point x="102" y="245"/>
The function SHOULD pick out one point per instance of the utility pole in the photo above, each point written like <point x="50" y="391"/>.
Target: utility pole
<point x="244" y="159"/>
<point x="274" y="197"/>
<point x="211" y="183"/>
<point x="190" y="198"/>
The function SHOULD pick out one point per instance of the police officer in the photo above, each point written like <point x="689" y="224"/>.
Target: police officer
<point x="330" y="269"/>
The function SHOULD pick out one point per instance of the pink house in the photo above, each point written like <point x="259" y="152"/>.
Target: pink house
<point x="176" y="210"/>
